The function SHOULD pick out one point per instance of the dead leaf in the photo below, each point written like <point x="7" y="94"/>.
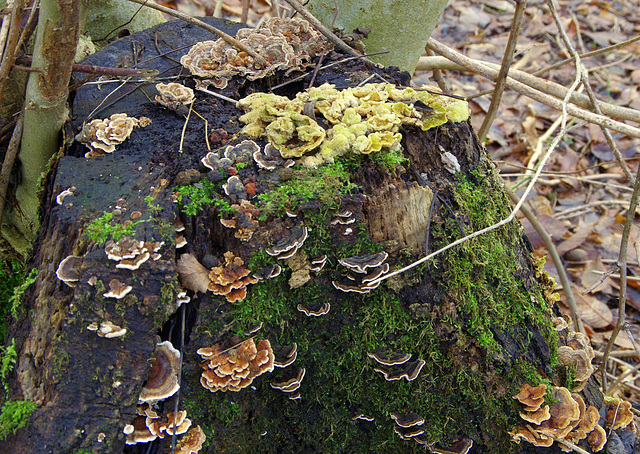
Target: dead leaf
<point x="592" y="311"/>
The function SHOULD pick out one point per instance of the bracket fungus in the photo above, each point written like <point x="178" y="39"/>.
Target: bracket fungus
<point x="192" y="442"/>
<point x="566" y="417"/>
<point x="231" y="278"/>
<point x="162" y="378"/>
<point x="290" y="382"/>
<point x="578" y="354"/>
<point x="69" y="270"/>
<point x="60" y="197"/>
<point x="284" y="43"/>
<point x="107" y="329"/>
<point x="618" y="412"/>
<point x="175" y="96"/>
<point x="408" y="371"/>
<point x="102" y="136"/>
<point x="117" y="289"/>
<point x="389" y="358"/>
<point x="362" y="119"/>
<point x="243" y="220"/>
<point x="285" y="356"/>
<point x="360" y="264"/>
<point x="235" y="367"/>
<point x="316" y="311"/>
<point x="409" y="426"/>
<point x="289" y="244"/>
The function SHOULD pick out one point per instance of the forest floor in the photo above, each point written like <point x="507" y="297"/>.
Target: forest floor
<point x="583" y="195"/>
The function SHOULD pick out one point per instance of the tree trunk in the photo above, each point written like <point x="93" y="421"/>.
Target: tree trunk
<point x="475" y="316"/>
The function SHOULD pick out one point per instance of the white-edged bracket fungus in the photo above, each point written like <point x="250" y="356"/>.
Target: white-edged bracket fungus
<point x="117" y="289"/>
<point x="162" y="378"/>
<point x="290" y="381"/>
<point x="175" y="96"/>
<point x="318" y="263"/>
<point x="407" y="419"/>
<point x="389" y="358"/>
<point x="69" y="270"/>
<point x="253" y="329"/>
<point x="270" y="158"/>
<point x="360" y="263"/>
<point x="459" y="447"/>
<point x="268" y="272"/>
<point x="107" y="329"/>
<point x="102" y="136"/>
<point x="408" y="371"/>
<point x="319" y="311"/>
<point x="285" y="356"/>
<point x="363" y="417"/>
<point x="234" y="188"/>
<point x="289" y="244"/>
<point x="60" y="197"/>
<point x="234" y="368"/>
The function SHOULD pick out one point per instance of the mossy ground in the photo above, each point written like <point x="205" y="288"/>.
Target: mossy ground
<point x="457" y="316"/>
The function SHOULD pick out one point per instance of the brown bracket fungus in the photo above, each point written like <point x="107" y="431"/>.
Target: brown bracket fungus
<point x="124" y="249"/>
<point x="243" y="220"/>
<point x="234" y="368"/>
<point x="284" y="43"/>
<point x="69" y="270"/>
<point x="162" y="378"/>
<point x="231" y="278"/>
<point x="175" y="96"/>
<point x="597" y="439"/>
<point x="192" y="442"/>
<point x="531" y="396"/>
<point x="102" y="136"/>
<point x="268" y="272"/>
<point x="459" y="447"/>
<point x="578" y="354"/>
<point x="117" y="289"/>
<point x="618" y="412"/>
<point x="407" y="419"/>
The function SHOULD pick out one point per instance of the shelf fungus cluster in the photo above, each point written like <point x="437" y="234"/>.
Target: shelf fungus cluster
<point x="130" y="253"/>
<point x="233" y="365"/>
<point x="368" y="268"/>
<point x="578" y="354"/>
<point x="409" y="426"/>
<point x="102" y="136"/>
<point x="107" y="329"/>
<point x="397" y="365"/>
<point x="362" y="119"/>
<point x="149" y="425"/>
<point x="230" y="279"/>
<point x="271" y="159"/>
<point x="285" y="43"/>
<point x="566" y="418"/>
<point x="290" y="382"/>
<point x="243" y="219"/>
<point x="69" y="270"/>
<point x="242" y="152"/>
<point x="175" y="96"/>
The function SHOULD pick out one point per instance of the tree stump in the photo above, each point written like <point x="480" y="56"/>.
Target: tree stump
<point x="475" y="319"/>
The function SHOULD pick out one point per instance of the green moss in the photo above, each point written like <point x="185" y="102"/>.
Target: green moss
<point x="16" y="299"/>
<point x="100" y="230"/>
<point x="8" y="356"/>
<point x="327" y="184"/>
<point x="194" y="198"/>
<point x="15" y="415"/>
<point x="11" y="276"/>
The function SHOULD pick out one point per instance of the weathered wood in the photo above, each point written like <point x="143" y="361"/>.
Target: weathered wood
<point x="476" y="315"/>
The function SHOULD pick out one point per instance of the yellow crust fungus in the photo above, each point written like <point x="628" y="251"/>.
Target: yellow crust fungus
<point x="363" y="119"/>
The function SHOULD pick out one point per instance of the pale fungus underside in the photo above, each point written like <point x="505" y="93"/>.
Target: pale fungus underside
<point x="475" y="320"/>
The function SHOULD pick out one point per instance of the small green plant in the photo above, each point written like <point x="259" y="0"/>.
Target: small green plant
<point x="15" y="415"/>
<point x="389" y="159"/>
<point x="16" y="299"/>
<point x="241" y="165"/>
<point x="100" y="229"/>
<point x="204" y="194"/>
<point x="154" y="209"/>
<point x="8" y="357"/>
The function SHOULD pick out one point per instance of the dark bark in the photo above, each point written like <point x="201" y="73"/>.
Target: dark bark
<point x="476" y="314"/>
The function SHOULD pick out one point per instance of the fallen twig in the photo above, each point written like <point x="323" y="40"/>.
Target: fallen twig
<point x="622" y="264"/>
<point x="504" y="70"/>
<point x="550" y="101"/>
<point x="9" y="160"/>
